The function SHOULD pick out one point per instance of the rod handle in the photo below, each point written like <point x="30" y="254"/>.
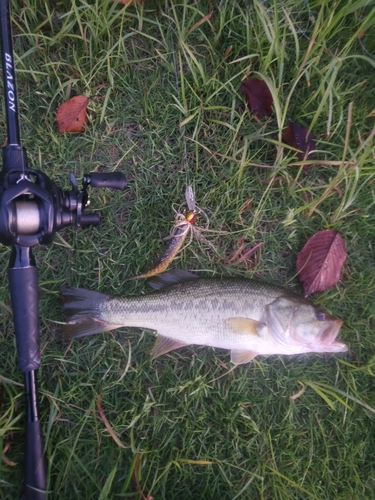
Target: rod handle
<point x="23" y="287"/>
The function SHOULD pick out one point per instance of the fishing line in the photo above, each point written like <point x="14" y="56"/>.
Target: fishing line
<point x="184" y="221"/>
<point x="178" y="67"/>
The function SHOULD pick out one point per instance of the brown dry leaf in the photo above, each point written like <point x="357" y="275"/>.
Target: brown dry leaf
<point x="6" y="460"/>
<point x="9" y="462"/>
<point x="137" y="466"/>
<point x="72" y="115"/>
<point x="111" y="431"/>
<point x="320" y="261"/>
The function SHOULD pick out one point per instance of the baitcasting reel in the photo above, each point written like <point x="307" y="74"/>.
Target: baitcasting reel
<point x="33" y="208"/>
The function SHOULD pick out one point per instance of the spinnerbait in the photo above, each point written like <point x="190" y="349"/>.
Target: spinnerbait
<point x="184" y="224"/>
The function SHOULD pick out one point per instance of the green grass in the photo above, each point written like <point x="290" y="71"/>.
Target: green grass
<point x="165" y="109"/>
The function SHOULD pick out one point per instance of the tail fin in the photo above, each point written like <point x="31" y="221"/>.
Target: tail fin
<point x="82" y="309"/>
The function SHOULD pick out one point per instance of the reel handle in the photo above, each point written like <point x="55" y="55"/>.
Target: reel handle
<point x="111" y="180"/>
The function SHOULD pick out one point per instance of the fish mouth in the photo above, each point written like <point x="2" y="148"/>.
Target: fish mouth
<point x="329" y="334"/>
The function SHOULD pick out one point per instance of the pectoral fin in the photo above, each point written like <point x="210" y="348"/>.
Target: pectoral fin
<point x="240" y="357"/>
<point x="242" y="325"/>
<point x="164" y="345"/>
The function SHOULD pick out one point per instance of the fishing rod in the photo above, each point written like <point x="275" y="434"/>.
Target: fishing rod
<point x="32" y="209"/>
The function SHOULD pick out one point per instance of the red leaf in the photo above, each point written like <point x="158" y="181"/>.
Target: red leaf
<point x="320" y="261"/>
<point x="258" y="97"/>
<point x="300" y="138"/>
<point x="71" y="115"/>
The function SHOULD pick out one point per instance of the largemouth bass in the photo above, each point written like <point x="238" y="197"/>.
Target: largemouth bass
<point x="248" y="317"/>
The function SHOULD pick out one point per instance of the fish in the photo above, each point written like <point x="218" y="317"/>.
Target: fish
<point x="248" y="317"/>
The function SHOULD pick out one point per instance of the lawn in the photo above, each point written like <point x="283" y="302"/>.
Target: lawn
<point x="166" y="110"/>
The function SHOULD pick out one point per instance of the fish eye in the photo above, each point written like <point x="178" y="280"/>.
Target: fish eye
<point x="320" y="316"/>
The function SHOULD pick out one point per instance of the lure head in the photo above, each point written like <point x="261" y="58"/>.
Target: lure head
<point x="191" y="216"/>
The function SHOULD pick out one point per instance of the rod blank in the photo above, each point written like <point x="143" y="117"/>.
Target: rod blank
<point x="9" y="75"/>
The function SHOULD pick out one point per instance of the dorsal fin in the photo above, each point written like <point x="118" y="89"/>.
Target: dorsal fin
<point x="172" y="277"/>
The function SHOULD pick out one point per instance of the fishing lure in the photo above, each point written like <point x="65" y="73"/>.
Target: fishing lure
<point x="184" y="224"/>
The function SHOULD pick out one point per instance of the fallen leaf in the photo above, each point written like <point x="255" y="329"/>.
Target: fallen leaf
<point x="111" y="431"/>
<point x="238" y="252"/>
<point x="6" y="460"/>
<point x="72" y="115"/>
<point x="300" y="138"/>
<point x="9" y="462"/>
<point x="137" y="467"/>
<point x="258" y="97"/>
<point x="320" y="261"/>
<point x="299" y="393"/>
<point x="248" y="253"/>
<point x="239" y="256"/>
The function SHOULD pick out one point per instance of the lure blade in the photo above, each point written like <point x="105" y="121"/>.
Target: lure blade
<point x="190" y="198"/>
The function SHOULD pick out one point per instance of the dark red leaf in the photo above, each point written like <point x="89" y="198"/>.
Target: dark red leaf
<point x="258" y="97"/>
<point x="300" y="138"/>
<point x="320" y="261"/>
